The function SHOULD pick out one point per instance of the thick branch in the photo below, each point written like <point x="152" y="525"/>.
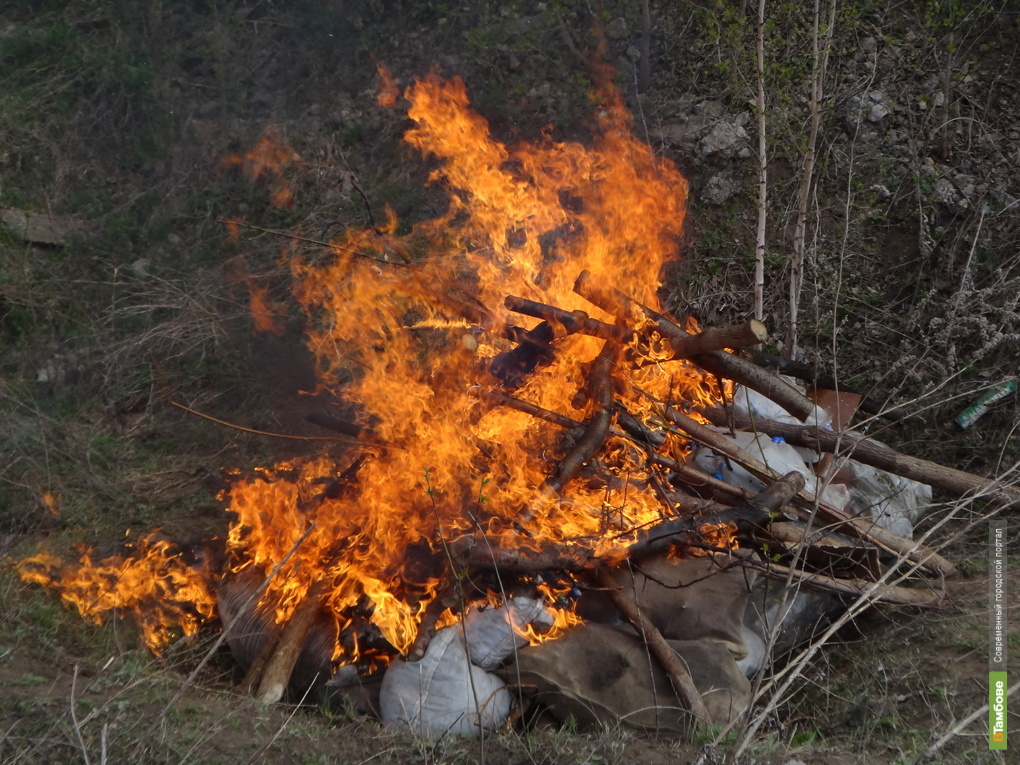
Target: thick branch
<point x="882" y="593"/>
<point x="860" y="527"/>
<point x="292" y="640"/>
<point x="678" y="675"/>
<point x="533" y="409"/>
<point x="573" y="322"/>
<point x="873" y="453"/>
<point x="811" y="374"/>
<point x="710" y="339"/>
<point x="723" y="364"/>
<point x="597" y="427"/>
<point x="718" y="362"/>
<point x="684" y="344"/>
<point x="475" y="551"/>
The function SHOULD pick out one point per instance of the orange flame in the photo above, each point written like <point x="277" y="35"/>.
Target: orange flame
<point x="153" y="582"/>
<point x="388" y="90"/>
<point x="415" y="337"/>
<point x="269" y="158"/>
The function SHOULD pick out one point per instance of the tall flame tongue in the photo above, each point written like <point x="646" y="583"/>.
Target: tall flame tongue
<point x="415" y="320"/>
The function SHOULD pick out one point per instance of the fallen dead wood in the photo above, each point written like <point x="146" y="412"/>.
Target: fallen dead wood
<point x="717" y="362"/>
<point x="573" y="322"/>
<point x="742" y="371"/>
<point x="868" y="532"/>
<point x="273" y="682"/>
<point x="476" y="551"/>
<point x="684" y="344"/>
<point x="600" y="393"/>
<point x="678" y="675"/>
<point x="691" y="475"/>
<point x="873" y="453"/>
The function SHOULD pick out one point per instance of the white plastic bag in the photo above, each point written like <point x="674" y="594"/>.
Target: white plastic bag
<point x="894" y="502"/>
<point x="778" y="456"/>
<point x="443" y="693"/>
<point x="489" y="637"/>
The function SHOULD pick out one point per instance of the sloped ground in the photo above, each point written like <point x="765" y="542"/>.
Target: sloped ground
<point x="115" y="121"/>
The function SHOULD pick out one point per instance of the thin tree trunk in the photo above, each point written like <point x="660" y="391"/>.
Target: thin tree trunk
<point x="819" y="60"/>
<point x="759" y="248"/>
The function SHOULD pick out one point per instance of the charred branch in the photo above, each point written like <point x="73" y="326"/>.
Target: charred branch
<point x="600" y="390"/>
<point x="533" y="350"/>
<point x="684" y="344"/>
<point x="637" y="430"/>
<point x="503" y="399"/>
<point x="573" y="322"/>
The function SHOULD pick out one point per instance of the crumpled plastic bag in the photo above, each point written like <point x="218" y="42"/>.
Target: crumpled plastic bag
<point x="750" y="403"/>
<point x="443" y="693"/>
<point x="894" y="502"/>
<point x="489" y="637"/>
<point x="778" y="456"/>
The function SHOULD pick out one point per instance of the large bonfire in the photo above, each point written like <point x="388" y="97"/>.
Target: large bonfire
<point x="413" y="330"/>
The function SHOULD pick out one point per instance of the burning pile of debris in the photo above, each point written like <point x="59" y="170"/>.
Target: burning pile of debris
<point x="554" y="491"/>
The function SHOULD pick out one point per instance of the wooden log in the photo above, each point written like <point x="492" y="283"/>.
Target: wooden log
<point x="597" y="426"/>
<point x="710" y="339"/>
<point x="717" y="362"/>
<point x="875" y="454"/>
<point x="573" y="322"/>
<point x="668" y="659"/>
<point x="742" y="371"/>
<point x="273" y="683"/>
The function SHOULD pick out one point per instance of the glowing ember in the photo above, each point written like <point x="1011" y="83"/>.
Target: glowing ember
<point x="417" y="334"/>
